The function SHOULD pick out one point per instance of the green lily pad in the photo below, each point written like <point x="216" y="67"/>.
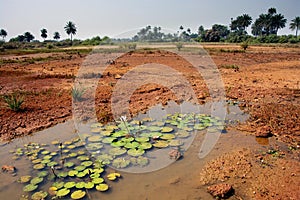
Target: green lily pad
<point x="111" y="127"/>
<point x="119" y="143"/>
<point x="51" y="164"/>
<point x="105" y="158"/>
<point x="45" y="152"/>
<point x="63" y="192"/>
<point x="108" y="140"/>
<point x="95" y="175"/>
<point x="80" y="185"/>
<point x="154" y="128"/>
<point x="63" y="174"/>
<point x="36" y="180"/>
<point x="119" y="134"/>
<point x="79" y="194"/>
<point x="89" y="185"/>
<point x="135" y="152"/>
<point x="48" y="157"/>
<point x="113" y="176"/>
<point x="95" y="125"/>
<point x="69" y="184"/>
<point x="158" y="123"/>
<point x="80" y="152"/>
<point x="131" y="145"/>
<point x="96" y="130"/>
<point x="39" y="166"/>
<point x="58" y="185"/>
<point x="42" y="174"/>
<point x="102" y="187"/>
<point x="167" y="129"/>
<point x="106" y="133"/>
<point x="83" y="157"/>
<point x="175" y="143"/>
<point x="161" y="144"/>
<point x="128" y="139"/>
<point x="117" y="151"/>
<point x="98" y="170"/>
<point x="71" y="147"/>
<point x="145" y="145"/>
<point x="87" y="163"/>
<point x="36" y="161"/>
<point x="72" y="172"/>
<point x="72" y="155"/>
<point x="167" y="136"/>
<point x="199" y="127"/>
<point x="39" y="195"/>
<point x="156" y="134"/>
<point x="97" y="180"/>
<point x="24" y="179"/>
<point x="66" y="151"/>
<point x="54" y="153"/>
<point x="55" y="142"/>
<point x="30" y="187"/>
<point x="45" y="161"/>
<point x="81" y="174"/>
<point x="95" y="138"/>
<point x="142" y="139"/>
<point x="120" y="163"/>
<point x="69" y="164"/>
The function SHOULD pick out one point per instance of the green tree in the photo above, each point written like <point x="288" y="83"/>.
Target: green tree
<point x="70" y="29"/>
<point x="241" y="23"/>
<point x="56" y="36"/>
<point x="3" y="33"/>
<point x="44" y="33"/>
<point x="295" y="24"/>
<point x="28" y="36"/>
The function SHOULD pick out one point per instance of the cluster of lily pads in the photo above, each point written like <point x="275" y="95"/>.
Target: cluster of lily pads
<point x="68" y="171"/>
<point x="126" y="143"/>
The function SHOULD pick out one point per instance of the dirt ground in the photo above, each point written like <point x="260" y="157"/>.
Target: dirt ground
<point x="264" y="80"/>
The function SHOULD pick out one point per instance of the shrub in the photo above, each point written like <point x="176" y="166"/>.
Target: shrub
<point x="179" y="46"/>
<point x="14" y="101"/>
<point x="244" y="45"/>
<point x="77" y="93"/>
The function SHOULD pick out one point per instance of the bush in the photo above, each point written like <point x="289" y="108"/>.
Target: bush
<point x="244" y="45"/>
<point x="77" y="93"/>
<point x="179" y="46"/>
<point x="14" y="101"/>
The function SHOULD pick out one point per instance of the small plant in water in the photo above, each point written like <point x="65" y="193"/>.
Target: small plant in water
<point x="14" y="101"/>
<point x="124" y="121"/>
<point x="77" y="93"/>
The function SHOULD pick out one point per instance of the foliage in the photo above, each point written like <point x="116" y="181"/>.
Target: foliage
<point x="44" y="33"/>
<point x="179" y="46"/>
<point x="241" y="23"/>
<point x="56" y="36"/>
<point x="295" y="24"/>
<point x="77" y="93"/>
<point x="3" y="33"/>
<point x="244" y="45"/>
<point x="14" y="101"/>
<point x="70" y="29"/>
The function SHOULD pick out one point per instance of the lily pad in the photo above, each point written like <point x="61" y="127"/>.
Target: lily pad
<point x="161" y="144"/>
<point x="39" y="166"/>
<point x="145" y="145"/>
<point x="45" y="161"/>
<point x="63" y="192"/>
<point x="80" y="185"/>
<point x="131" y="145"/>
<point x="48" y="157"/>
<point x="105" y="158"/>
<point x="51" y="164"/>
<point x="30" y="187"/>
<point x="154" y="128"/>
<point x="87" y="163"/>
<point x="142" y="139"/>
<point x="182" y="134"/>
<point x="24" y="179"/>
<point x="81" y="174"/>
<point x="119" y="143"/>
<point x="167" y="129"/>
<point x="63" y="174"/>
<point x="95" y="138"/>
<point x="120" y="163"/>
<point x="127" y="139"/>
<point x="72" y="155"/>
<point x="175" y="143"/>
<point x="117" y="151"/>
<point x="108" y="140"/>
<point x="98" y="170"/>
<point x="113" y="176"/>
<point x="167" y="136"/>
<point x="135" y="152"/>
<point x="142" y="161"/>
<point x="72" y="173"/>
<point x="96" y="130"/>
<point x="36" y="161"/>
<point x="42" y="174"/>
<point x="119" y="134"/>
<point x="97" y="180"/>
<point x="102" y="187"/>
<point x="39" y="195"/>
<point x="36" y="180"/>
<point x="58" y="185"/>
<point x="83" y="157"/>
<point x="45" y="152"/>
<point x="89" y="185"/>
<point x="78" y="194"/>
<point x="69" y="164"/>
<point x="95" y="125"/>
<point x="106" y="133"/>
<point x="69" y="185"/>
<point x="71" y="147"/>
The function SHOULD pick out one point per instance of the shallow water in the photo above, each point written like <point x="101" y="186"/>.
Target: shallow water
<point x="178" y="180"/>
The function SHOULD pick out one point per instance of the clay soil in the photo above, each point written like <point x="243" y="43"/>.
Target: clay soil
<point x="264" y="81"/>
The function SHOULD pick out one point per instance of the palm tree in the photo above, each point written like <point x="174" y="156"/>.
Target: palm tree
<point x="295" y="24"/>
<point x="56" y="36"/>
<point x="70" y="29"/>
<point x="28" y="36"/>
<point x="277" y="21"/>
<point x="44" y="33"/>
<point x="3" y="33"/>
<point x="244" y="21"/>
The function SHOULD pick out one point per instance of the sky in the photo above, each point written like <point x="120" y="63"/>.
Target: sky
<point x="123" y="18"/>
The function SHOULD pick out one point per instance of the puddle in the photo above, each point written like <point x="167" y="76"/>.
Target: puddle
<point x="161" y="178"/>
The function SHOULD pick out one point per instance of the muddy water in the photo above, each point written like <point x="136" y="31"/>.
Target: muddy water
<point x="180" y="180"/>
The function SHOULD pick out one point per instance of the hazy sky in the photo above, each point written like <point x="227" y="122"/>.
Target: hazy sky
<point x="114" y="17"/>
